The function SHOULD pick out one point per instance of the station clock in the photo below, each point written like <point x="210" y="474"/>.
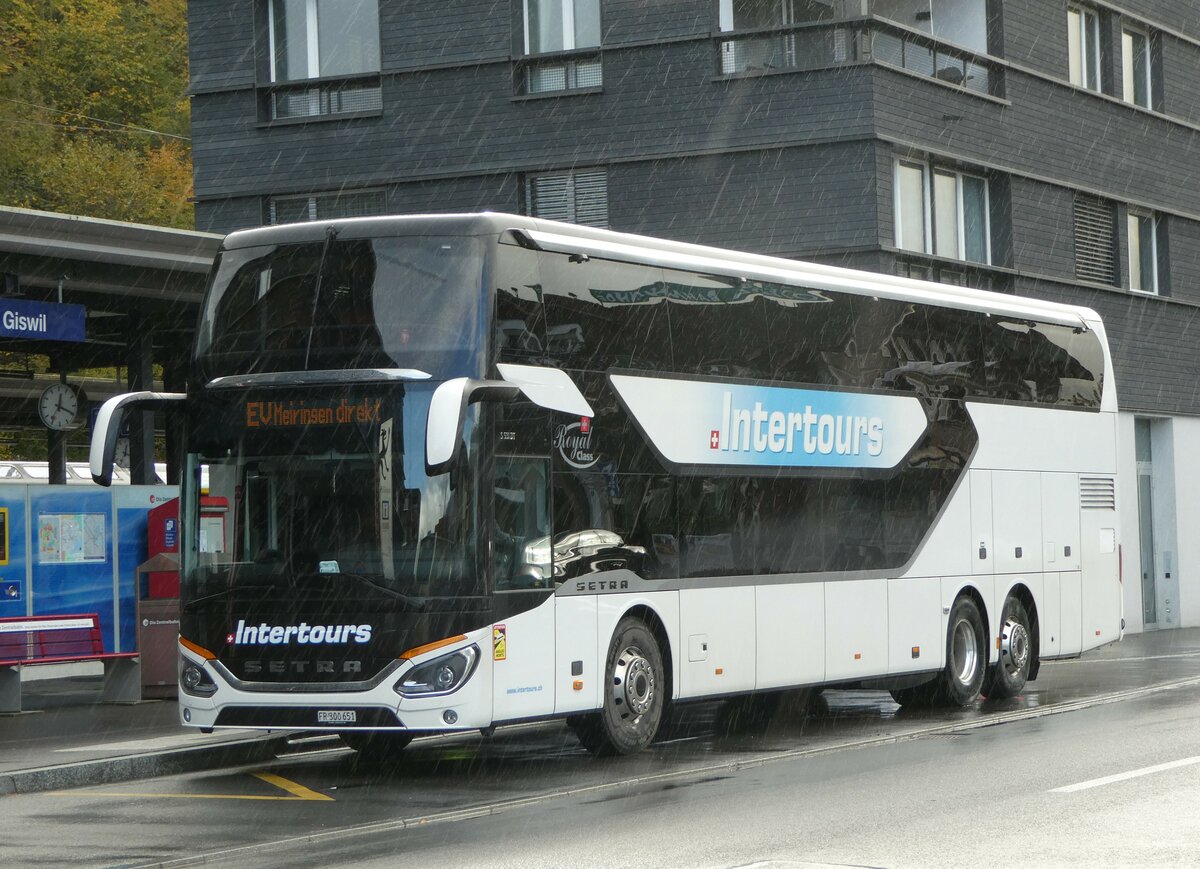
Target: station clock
<point x="59" y="406"/>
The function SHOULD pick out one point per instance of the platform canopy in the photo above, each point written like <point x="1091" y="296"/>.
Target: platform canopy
<point x="90" y="293"/>
<point x="139" y="287"/>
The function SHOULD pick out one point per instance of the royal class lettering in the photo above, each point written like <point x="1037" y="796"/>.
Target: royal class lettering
<point x="760" y="429"/>
<point x="574" y="443"/>
<point x="303" y="634"/>
<point x="20" y="323"/>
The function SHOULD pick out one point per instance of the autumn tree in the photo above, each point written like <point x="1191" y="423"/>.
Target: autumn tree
<point x="93" y="108"/>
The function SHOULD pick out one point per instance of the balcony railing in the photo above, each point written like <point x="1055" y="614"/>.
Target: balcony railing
<point x="574" y="72"/>
<point x="817" y="45"/>
<point x="308" y="99"/>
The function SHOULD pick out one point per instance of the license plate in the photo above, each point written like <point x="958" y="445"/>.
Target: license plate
<point x="336" y="716"/>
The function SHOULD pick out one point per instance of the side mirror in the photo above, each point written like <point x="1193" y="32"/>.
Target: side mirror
<point x="545" y="387"/>
<point x="447" y="413"/>
<point x="108" y="427"/>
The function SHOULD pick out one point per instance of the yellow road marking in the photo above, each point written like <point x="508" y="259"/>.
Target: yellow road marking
<point x="169" y="796"/>
<point x="298" y="792"/>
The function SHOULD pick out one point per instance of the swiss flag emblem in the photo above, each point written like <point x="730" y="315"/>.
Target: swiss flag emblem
<point x="229" y="638"/>
<point x="585" y="424"/>
<point x="714" y="439"/>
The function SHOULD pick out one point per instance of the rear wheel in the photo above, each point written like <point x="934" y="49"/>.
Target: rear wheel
<point x="634" y="694"/>
<point x="966" y="654"/>
<point x="1008" y="677"/>
<point x="961" y="680"/>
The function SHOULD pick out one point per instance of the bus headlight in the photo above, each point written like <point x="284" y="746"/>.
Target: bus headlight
<point x="442" y="675"/>
<point x="194" y="680"/>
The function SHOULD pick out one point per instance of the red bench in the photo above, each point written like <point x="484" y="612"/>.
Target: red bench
<point x="30" y="640"/>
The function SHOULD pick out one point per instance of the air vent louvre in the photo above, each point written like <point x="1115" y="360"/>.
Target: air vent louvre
<point x="1098" y="493"/>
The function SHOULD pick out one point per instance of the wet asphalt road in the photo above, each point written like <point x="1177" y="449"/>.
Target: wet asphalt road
<point x="853" y="780"/>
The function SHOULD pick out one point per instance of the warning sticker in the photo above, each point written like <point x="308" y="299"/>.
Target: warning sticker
<point x="499" y="643"/>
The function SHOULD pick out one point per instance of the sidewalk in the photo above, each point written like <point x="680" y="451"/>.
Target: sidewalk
<point x="68" y="738"/>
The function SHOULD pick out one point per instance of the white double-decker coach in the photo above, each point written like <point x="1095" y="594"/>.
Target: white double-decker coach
<point x="485" y="469"/>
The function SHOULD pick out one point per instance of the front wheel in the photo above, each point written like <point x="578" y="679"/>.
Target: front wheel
<point x="1008" y="677"/>
<point x="634" y="694"/>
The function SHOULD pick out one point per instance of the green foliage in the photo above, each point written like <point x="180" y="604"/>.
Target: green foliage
<point x="93" y="108"/>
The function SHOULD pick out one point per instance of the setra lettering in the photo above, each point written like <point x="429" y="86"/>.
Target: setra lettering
<point x="602" y="585"/>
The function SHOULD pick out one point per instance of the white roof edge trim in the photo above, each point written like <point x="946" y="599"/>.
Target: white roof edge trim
<point x="816" y="276"/>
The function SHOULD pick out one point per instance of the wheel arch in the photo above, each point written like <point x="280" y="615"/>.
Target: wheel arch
<point x="1024" y="595"/>
<point x="658" y="628"/>
<point x="972" y="592"/>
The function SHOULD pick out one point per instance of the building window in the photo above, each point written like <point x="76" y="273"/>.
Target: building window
<point x="322" y="40"/>
<point x="784" y="50"/>
<point x="1143" y="251"/>
<point x="942" y="211"/>
<point x="324" y="206"/>
<point x="1083" y="47"/>
<point x="948" y="26"/>
<point x="553" y="26"/>
<point x="1135" y="67"/>
<point x="576" y="197"/>
<point x="962" y="22"/>
<point x="1095" y="258"/>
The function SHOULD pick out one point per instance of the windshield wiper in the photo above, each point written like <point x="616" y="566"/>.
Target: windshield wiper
<point x="264" y="588"/>
<point x="330" y="235"/>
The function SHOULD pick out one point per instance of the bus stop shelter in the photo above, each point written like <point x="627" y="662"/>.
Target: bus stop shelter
<point x="90" y="293"/>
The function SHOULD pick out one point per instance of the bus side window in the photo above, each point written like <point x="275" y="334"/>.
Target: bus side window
<point x="520" y="328"/>
<point x="521" y="549"/>
<point x="719" y="326"/>
<point x="605" y="521"/>
<point x="602" y="314"/>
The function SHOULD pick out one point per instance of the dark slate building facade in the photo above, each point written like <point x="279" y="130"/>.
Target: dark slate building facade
<point x="1048" y="148"/>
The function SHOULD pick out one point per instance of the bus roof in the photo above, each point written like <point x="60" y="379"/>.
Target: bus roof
<point x="571" y="238"/>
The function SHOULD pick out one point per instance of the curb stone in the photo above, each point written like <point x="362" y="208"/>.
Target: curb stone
<point x="140" y="766"/>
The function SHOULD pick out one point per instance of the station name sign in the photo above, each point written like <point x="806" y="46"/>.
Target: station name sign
<point x="42" y="321"/>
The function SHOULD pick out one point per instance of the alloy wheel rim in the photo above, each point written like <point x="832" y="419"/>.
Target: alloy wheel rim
<point x="965" y="652"/>
<point x="1014" y="646"/>
<point x="634" y="685"/>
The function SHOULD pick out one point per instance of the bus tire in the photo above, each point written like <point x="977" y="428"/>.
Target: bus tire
<point x="376" y="746"/>
<point x="966" y="654"/>
<point x="634" y="695"/>
<point x="1007" y="678"/>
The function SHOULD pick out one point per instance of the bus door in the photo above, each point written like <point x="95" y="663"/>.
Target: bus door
<point x="523" y="628"/>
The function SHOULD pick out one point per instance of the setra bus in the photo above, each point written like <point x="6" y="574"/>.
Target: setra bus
<point x="487" y="468"/>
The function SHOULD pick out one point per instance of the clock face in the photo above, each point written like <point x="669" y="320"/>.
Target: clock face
<point x="121" y="454"/>
<point x="58" y="406"/>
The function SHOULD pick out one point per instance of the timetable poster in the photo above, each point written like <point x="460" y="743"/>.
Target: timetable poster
<point x="71" y="538"/>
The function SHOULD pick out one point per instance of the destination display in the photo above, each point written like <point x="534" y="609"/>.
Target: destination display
<point x="288" y="414"/>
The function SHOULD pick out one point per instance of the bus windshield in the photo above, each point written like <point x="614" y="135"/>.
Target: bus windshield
<point x="328" y="499"/>
<point x="408" y="302"/>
